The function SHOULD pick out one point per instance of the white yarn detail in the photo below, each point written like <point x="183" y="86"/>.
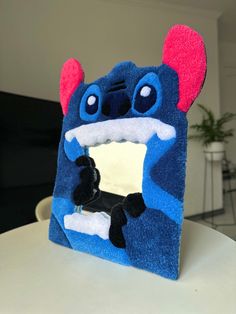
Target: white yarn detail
<point x="93" y="223"/>
<point x="145" y="91"/>
<point x="135" y="130"/>
<point x="91" y="100"/>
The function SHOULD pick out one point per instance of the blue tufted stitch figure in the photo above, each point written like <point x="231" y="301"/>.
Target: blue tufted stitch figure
<point x="145" y="105"/>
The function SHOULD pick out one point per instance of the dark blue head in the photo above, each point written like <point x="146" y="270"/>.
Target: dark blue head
<point x="127" y="91"/>
<point x="164" y="93"/>
<point x="145" y="105"/>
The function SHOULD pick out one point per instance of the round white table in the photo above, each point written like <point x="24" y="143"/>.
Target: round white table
<point x="38" y="276"/>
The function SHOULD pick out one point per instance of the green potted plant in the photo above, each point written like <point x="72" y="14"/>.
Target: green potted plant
<point x="211" y="132"/>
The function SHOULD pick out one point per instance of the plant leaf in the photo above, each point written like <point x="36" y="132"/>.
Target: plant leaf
<point x="211" y="129"/>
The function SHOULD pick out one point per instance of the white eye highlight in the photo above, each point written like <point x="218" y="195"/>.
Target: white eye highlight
<point x="91" y="100"/>
<point x="145" y="91"/>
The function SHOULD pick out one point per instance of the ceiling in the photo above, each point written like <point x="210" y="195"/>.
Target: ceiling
<point x="227" y="20"/>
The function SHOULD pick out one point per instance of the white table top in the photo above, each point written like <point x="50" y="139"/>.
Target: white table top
<point x="37" y="276"/>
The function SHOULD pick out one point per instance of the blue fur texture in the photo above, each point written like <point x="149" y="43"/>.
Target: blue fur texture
<point x="153" y="239"/>
<point x="56" y="233"/>
<point x="144" y="240"/>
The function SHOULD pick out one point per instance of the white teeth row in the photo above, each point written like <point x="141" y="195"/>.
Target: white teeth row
<point x="135" y="130"/>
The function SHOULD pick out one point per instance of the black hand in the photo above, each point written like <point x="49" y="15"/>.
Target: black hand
<point x="118" y="219"/>
<point x="88" y="188"/>
<point x="85" y="161"/>
<point x="134" y="205"/>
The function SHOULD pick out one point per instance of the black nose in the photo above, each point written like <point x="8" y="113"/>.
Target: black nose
<point x="116" y="104"/>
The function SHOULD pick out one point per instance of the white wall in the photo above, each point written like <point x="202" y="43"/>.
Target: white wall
<point x="38" y="36"/>
<point x="228" y="90"/>
<point x="228" y="95"/>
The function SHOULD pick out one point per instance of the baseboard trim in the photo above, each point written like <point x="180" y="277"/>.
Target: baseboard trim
<point x="207" y="214"/>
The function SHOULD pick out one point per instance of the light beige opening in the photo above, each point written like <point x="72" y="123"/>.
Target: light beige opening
<point x="120" y="166"/>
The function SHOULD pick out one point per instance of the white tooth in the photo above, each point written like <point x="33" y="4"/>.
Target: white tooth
<point x="69" y="136"/>
<point x="135" y="130"/>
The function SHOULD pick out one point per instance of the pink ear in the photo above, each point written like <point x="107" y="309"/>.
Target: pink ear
<point x="184" y="51"/>
<point x="71" y="76"/>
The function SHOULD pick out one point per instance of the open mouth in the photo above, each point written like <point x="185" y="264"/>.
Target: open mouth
<point x="135" y="130"/>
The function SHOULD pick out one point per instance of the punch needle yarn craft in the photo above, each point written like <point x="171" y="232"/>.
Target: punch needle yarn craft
<point x="146" y="105"/>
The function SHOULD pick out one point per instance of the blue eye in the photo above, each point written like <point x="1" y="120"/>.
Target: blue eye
<point x="147" y="95"/>
<point x="90" y="105"/>
<point x="145" y="98"/>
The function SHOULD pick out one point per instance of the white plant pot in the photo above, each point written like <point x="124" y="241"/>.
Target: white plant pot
<point x="215" y="151"/>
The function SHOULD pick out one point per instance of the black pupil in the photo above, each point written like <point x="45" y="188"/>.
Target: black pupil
<point x="144" y="103"/>
<point x="92" y="108"/>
